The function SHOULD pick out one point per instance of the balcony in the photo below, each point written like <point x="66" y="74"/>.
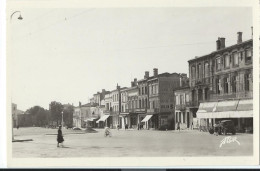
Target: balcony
<point x="155" y="110"/>
<point x="237" y="95"/>
<point x="143" y="110"/>
<point x="130" y="110"/>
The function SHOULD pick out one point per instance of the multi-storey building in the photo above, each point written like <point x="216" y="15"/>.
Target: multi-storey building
<point x="184" y="113"/>
<point x="160" y="112"/>
<point x="86" y="115"/>
<point x="142" y="100"/>
<point x="222" y="84"/>
<point x="124" y="115"/>
<point x="99" y="97"/>
<point x="132" y="101"/>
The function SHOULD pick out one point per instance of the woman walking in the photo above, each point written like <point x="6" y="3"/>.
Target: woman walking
<point x="60" y="137"/>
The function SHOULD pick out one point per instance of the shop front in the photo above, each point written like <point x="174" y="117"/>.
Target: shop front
<point x="239" y="111"/>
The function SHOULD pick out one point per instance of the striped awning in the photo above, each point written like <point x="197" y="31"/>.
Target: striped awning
<point x="147" y="117"/>
<point x="103" y="118"/>
<point x="226" y="109"/>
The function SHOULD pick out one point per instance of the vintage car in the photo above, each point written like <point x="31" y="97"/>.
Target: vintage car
<point x="224" y="127"/>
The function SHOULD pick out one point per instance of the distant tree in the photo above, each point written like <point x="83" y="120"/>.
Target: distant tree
<point x="68" y="114"/>
<point x="55" y="110"/>
<point x="38" y="116"/>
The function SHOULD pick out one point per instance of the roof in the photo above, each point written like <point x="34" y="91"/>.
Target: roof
<point x="221" y="50"/>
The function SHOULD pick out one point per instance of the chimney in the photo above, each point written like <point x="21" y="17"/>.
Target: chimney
<point x="252" y="31"/>
<point x="155" y="72"/>
<point x="117" y="86"/>
<point x="222" y="43"/>
<point x="103" y="90"/>
<point x="239" y="37"/>
<point x="180" y="81"/>
<point x="135" y="82"/>
<point x="218" y="44"/>
<point x="146" y="75"/>
<point x="79" y="104"/>
<point x="132" y="84"/>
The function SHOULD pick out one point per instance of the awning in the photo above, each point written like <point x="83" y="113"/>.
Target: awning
<point x="227" y="105"/>
<point x="226" y="114"/>
<point x="90" y="119"/>
<point x="103" y="118"/>
<point x="244" y="105"/>
<point x="147" y="117"/>
<point x="207" y="107"/>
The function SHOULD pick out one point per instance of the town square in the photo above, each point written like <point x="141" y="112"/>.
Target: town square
<point x="127" y="143"/>
<point x="131" y="82"/>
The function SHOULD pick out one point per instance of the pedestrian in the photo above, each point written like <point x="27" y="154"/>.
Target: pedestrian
<point x="178" y="126"/>
<point x="118" y="127"/>
<point x="60" y="137"/>
<point x="191" y="125"/>
<point x="138" y="126"/>
<point x="17" y="126"/>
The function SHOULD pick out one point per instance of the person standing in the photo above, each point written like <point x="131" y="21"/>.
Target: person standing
<point x="60" y="137"/>
<point x="178" y="126"/>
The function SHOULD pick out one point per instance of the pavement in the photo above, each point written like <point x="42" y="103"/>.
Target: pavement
<point x="126" y="143"/>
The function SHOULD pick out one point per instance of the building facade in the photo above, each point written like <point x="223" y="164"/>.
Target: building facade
<point x="132" y="101"/>
<point x="160" y="112"/>
<point x="222" y="82"/>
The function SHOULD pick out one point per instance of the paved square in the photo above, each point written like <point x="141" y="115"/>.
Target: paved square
<point x="130" y="143"/>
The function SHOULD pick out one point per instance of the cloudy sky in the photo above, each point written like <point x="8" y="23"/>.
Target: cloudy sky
<point x="67" y="55"/>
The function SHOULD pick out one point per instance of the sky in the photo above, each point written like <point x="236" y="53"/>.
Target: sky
<point x="67" y="55"/>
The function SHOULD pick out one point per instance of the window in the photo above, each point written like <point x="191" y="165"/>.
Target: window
<point x="234" y="84"/>
<point x="187" y="98"/>
<point x="180" y="117"/>
<point x="181" y="99"/>
<point x="199" y="71"/>
<point x="206" y="69"/>
<point x="193" y="72"/>
<point x="248" y="55"/>
<point x="140" y="103"/>
<point x="227" y="61"/>
<point x="177" y="99"/>
<point x="226" y="80"/>
<point x="142" y="90"/>
<point x="247" y="82"/>
<point x="206" y="93"/>
<point x="218" y="63"/>
<point x="146" y="104"/>
<point x="235" y="59"/>
<point x="218" y="86"/>
<point x="145" y="90"/>
<point x="184" y="117"/>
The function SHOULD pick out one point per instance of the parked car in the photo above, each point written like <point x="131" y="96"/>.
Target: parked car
<point x="224" y="127"/>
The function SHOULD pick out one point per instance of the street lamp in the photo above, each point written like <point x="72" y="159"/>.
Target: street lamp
<point x="20" y="16"/>
<point x="61" y="119"/>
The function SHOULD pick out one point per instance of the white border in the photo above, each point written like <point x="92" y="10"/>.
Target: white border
<point x="157" y="162"/>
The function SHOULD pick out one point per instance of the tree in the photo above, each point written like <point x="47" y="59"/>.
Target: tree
<point x="55" y="110"/>
<point x="38" y="116"/>
<point x="68" y="114"/>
